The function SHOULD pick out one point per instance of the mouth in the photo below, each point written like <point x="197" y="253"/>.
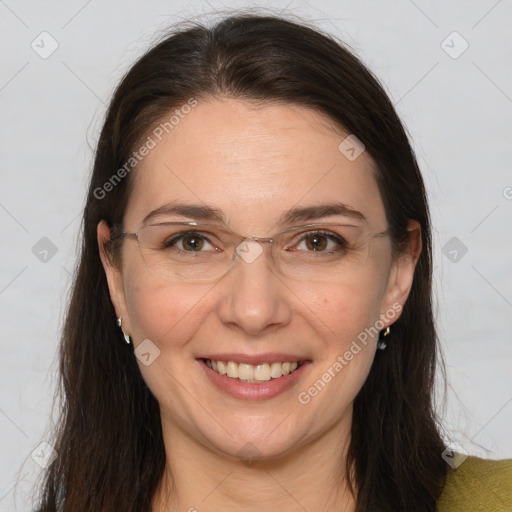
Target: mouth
<point x="255" y="377"/>
<point x="253" y="373"/>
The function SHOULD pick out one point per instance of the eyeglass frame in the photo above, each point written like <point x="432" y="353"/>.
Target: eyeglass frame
<point x="118" y="232"/>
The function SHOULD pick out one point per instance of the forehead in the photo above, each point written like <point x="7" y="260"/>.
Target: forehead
<point x="252" y="161"/>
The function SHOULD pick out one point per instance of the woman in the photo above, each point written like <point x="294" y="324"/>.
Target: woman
<point x="251" y="323"/>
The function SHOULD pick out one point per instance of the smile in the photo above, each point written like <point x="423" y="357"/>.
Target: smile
<point x="251" y="373"/>
<point x="257" y="381"/>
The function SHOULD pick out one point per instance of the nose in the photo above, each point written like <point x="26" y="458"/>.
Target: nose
<point x="255" y="299"/>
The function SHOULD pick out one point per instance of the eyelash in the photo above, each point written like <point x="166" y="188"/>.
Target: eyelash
<point x="171" y="242"/>
<point x="341" y="242"/>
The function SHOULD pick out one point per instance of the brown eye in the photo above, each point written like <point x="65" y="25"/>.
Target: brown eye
<point x="188" y="242"/>
<point x="192" y="243"/>
<point x="316" y="241"/>
<point x="324" y="243"/>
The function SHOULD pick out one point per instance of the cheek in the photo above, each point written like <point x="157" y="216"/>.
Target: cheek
<point x="343" y="309"/>
<point x="344" y="316"/>
<point x="163" y="311"/>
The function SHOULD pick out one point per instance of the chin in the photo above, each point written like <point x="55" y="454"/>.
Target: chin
<point x="263" y="440"/>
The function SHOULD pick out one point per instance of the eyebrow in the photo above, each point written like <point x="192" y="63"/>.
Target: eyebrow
<point x="314" y="212"/>
<point x="204" y="212"/>
<point x="193" y="211"/>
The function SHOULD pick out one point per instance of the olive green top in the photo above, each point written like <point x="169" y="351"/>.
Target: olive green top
<point x="478" y="485"/>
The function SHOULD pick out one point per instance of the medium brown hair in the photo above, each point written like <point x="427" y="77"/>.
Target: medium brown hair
<point x="109" y="442"/>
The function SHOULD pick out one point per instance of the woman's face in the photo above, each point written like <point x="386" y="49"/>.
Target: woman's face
<point x="253" y="165"/>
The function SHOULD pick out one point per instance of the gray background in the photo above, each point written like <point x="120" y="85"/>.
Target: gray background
<point x="457" y="111"/>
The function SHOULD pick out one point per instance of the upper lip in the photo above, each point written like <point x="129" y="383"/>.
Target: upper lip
<point x="269" y="357"/>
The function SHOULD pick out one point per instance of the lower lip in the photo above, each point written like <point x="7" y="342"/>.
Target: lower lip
<point x="249" y="391"/>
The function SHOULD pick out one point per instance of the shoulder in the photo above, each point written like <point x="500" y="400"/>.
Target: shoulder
<point x="478" y="485"/>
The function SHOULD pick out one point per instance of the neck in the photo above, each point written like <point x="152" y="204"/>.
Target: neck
<point x="311" y="478"/>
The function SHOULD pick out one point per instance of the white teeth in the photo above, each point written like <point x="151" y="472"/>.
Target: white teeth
<point x="221" y="367"/>
<point x="262" y="372"/>
<point x="276" y="370"/>
<point x="252" y="373"/>
<point x="232" y="370"/>
<point x="245" y="371"/>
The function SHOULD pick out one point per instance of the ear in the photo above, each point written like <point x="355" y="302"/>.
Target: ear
<point x="402" y="272"/>
<point x="114" y="276"/>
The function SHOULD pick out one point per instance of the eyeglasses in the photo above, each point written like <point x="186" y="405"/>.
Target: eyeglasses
<point x="188" y="251"/>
